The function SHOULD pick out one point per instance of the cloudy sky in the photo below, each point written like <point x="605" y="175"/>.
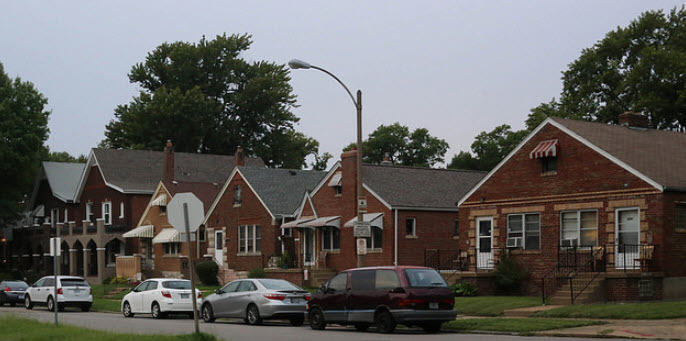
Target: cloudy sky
<point x="454" y="67"/>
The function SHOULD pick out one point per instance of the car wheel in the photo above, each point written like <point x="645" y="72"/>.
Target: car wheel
<point x="51" y="303"/>
<point x="156" y="312"/>
<point x="27" y="303"/>
<point x="298" y="321"/>
<point x="253" y="315"/>
<point x="126" y="310"/>
<point x="362" y="327"/>
<point x="207" y="313"/>
<point x="432" y="328"/>
<point x="316" y="318"/>
<point x="384" y="322"/>
<point x="86" y="308"/>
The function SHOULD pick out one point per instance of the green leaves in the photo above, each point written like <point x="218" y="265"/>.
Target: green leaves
<point x="489" y="148"/>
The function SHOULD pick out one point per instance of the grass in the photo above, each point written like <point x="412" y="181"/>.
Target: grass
<point x="493" y="305"/>
<point x="16" y="328"/>
<point x="514" y="325"/>
<point x="103" y="305"/>
<point x="637" y="311"/>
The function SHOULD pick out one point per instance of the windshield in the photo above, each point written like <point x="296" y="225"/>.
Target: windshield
<point x="424" y="278"/>
<point x="73" y="282"/>
<point x="176" y="284"/>
<point x="278" y="284"/>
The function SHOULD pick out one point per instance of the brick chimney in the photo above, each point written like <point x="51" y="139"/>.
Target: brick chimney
<point x="168" y="174"/>
<point x="633" y="120"/>
<point x="387" y="160"/>
<point x="239" y="157"/>
<point x="349" y="173"/>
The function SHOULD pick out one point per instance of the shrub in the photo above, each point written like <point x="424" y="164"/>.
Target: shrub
<point x="256" y="273"/>
<point x="509" y="276"/>
<point x="207" y="272"/>
<point x="285" y="261"/>
<point x="116" y="280"/>
<point x="464" y="289"/>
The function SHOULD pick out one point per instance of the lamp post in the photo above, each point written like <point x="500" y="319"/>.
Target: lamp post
<point x="299" y="64"/>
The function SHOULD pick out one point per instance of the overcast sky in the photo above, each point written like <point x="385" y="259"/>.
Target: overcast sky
<point x="454" y="67"/>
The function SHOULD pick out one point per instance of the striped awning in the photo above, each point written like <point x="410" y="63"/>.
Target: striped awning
<point x="375" y="218"/>
<point x="160" y="201"/>
<point x="334" y="221"/>
<point x="168" y="235"/>
<point x="296" y="223"/>
<point x="335" y="179"/>
<point x="143" y="231"/>
<point x="546" y="148"/>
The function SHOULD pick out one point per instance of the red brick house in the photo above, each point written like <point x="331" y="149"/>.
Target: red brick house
<point x="601" y="207"/>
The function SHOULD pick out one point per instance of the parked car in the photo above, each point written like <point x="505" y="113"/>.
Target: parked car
<point x="160" y="297"/>
<point x="72" y="291"/>
<point x="12" y="292"/>
<point x="255" y="300"/>
<point x="383" y="297"/>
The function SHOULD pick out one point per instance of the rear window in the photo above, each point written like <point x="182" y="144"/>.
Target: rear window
<point x="17" y="286"/>
<point x="424" y="278"/>
<point x="276" y="284"/>
<point x="176" y="284"/>
<point x="73" y="282"/>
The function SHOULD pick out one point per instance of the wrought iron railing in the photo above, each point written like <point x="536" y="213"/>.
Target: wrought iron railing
<point x="77" y="230"/>
<point x="91" y="229"/>
<point x="445" y="259"/>
<point x="631" y="257"/>
<point x="116" y="228"/>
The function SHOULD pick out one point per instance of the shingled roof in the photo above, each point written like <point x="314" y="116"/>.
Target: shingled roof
<point x="63" y="178"/>
<point x="205" y="191"/>
<point x="141" y="170"/>
<point x="413" y="187"/>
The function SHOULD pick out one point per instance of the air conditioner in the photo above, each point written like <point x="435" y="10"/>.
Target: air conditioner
<point x="514" y="242"/>
<point x="569" y="242"/>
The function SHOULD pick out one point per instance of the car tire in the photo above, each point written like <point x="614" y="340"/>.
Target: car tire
<point x="50" y="303"/>
<point x="155" y="311"/>
<point x="362" y="327"/>
<point x="207" y="313"/>
<point x="316" y="317"/>
<point x="384" y="322"/>
<point x="86" y="308"/>
<point x="252" y="314"/>
<point x="28" y="304"/>
<point x="126" y="310"/>
<point x="298" y="321"/>
<point x="432" y="328"/>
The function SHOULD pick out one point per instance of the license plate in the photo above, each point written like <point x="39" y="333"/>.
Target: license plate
<point x="185" y="295"/>
<point x="21" y="296"/>
<point x="77" y="291"/>
<point x="296" y="300"/>
<point x="433" y="305"/>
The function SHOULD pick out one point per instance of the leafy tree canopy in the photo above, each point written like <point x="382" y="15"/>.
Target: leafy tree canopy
<point x="206" y="98"/>
<point x="416" y="148"/>
<point x="23" y="129"/>
<point x="488" y="149"/>
<point x="62" y="157"/>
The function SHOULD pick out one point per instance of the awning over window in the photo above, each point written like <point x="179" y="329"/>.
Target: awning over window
<point x="546" y="148"/>
<point x="334" y="221"/>
<point x="144" y="231"/>
<point x="160" y="201"/>
<point x="375" y="218"/>
<point x="335" y="179"/>
<point x="168" y="235"/>
<point x="296" y="223"/>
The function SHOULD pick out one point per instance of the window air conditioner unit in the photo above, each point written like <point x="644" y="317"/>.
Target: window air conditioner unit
<point x="514" y="242"/>
<point x="569" y="242"/>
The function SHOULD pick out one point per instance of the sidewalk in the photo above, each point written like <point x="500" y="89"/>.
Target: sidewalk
<point x="642" y="329"/>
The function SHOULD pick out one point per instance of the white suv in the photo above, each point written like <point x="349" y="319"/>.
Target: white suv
<point x="160" y="296"/>
<point x="72" y="291"/>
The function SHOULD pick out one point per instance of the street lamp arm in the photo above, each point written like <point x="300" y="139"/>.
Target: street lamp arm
<point x="339" y="82"/>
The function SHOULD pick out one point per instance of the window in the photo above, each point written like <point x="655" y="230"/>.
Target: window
<point x="288" y="232"/>
<point x="163" y="210"/>
<point x="549" y="164"/>
<point x="375" y="242"/>
<point x="411" y="227"/>
<point x="363" y="280"/>
<point x="249" y="240"/>
<point x="89" y="212"/>
<point x="121" y="210"/>
<point x="201" y="234"/>
<point x="247" y="286"/>
<point x="331" y="237"/>
<point x="66" y="215"/>
<point x="237" y="195"/>
<point x="338" y="282"/>
<point x="579" y="228"/>
<point x="386" y="279"/>
<point x="152" y="285"/>
<point x="231" y="287"/>
<point x="172" y="249"/>
<point x="527" y="227"/>
<point x="680" y="219"/>
<point x="112" y="249"/>
<point x="55" y="215"/>
<point x="338" y="189"/>
<point x="456" y="228"/>
<point x="107" y="212"/>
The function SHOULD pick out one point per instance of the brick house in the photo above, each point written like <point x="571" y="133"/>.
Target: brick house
<point x="243" y="223"/>
<point x="412" y="212"/>
<point x="593" y="211"/>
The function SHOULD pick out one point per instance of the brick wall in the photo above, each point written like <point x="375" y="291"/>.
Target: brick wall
<point x="294" y="276"/>
<point x="626" y="287"/>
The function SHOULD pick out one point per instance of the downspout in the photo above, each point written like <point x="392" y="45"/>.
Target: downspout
<point x="395" y="244"/>
<point x="283" y="220"/>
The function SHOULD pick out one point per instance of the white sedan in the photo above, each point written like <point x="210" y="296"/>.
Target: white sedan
<point x="159" y="297"/>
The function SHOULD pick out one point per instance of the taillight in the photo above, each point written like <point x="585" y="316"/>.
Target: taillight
<point x="8" y="289"/>
<point x="166" y="294"/>
<point x="59" y="291"/>
<point x="408" y="302"/>
<point x="308" y="297"/>
<point x="449" y="301"/>
<point x="279" y="297"/>
<point x="199" y="294"/>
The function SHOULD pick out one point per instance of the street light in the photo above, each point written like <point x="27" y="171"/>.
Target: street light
<point x="299" y="64"/>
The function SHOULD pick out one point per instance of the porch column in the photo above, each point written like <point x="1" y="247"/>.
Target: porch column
<point x="101" y="263"/>
<point x="86" y="256"/>
<point x="72" y="261"/>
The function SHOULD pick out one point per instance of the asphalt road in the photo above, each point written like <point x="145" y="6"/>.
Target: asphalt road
<point x="237" y="330"/>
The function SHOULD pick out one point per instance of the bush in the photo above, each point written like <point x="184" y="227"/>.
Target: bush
<point x="509" y="276"/>
<point x="256" y="273"/>
<point x="116" y="280"/>
<point x="285" y="261"/>
<point x="207" y="272"/>
<point x="464" y="289"/>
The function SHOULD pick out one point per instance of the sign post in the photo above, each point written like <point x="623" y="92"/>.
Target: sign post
<point x="54" y="251"/>
<point x="185" y="212"/>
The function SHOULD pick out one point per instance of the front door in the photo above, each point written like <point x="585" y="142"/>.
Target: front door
<point x="308" y="247"/>
<point x="219" y="247"/>
<point x="484" y="243"/>
<point x="627" y="237"/>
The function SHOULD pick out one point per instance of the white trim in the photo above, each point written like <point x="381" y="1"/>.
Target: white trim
<point x="431" y="209"/>
<point x="331" y="171"/>
<point x="121" y="210"/>
<point x="616" y="241"/>
<point x="102" y="212"/>
<point x="414" y="227"/>
<point x="378" y="197"/>
<point x="223" y="190"/>
<point x="147" y="208"/>
<point x="575" y="136"/>
<point x="100" y="249"/>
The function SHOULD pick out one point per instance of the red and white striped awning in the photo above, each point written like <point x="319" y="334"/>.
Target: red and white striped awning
<point x="547" y="148"/>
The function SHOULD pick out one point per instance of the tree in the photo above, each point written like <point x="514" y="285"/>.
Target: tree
<point x="639" y="68"/>
<point x="23" y="129"/>
<point x="489" y="148"/>
<point x="320" y="162"/>
<point x="206" y="98"/>
<point x="418" y="148"/>
<point x="63" y="157"/>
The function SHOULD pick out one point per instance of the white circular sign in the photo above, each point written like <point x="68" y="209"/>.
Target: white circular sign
<point x="182" y="205"/>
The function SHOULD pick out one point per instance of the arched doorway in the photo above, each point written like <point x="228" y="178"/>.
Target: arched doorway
<point x="92" y="258"/>
<point x="78" y="247"/>
<point x="64" y="259"/>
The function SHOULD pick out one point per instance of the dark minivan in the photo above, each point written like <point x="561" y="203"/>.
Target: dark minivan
<point x="383" y="297"/>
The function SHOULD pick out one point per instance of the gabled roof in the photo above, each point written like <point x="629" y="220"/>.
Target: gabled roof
<point x="63" y="178"/>
<point x="419" y="188"/>
<point x="205" y="191"/>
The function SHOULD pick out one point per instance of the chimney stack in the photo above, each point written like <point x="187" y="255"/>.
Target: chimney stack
<point x="633" y="120"/>
<point x="387" y="160"/>
<point x="168" y="174"/>
<point x="239" y="157"/>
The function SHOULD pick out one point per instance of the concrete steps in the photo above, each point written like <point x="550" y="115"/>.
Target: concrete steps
<point x="227" y="275"/>
<point x="593" y="293"/>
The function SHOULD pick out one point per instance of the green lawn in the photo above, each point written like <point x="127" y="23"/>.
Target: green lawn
<point x="16" y="328"/>
<point x="103" y="305"/>
<point x="493" y="305"/>
<point x="514" y="325"/>
<point x="648" y="310"/>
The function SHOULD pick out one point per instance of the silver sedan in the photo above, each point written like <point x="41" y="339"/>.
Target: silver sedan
<point x="255" y="300"/>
